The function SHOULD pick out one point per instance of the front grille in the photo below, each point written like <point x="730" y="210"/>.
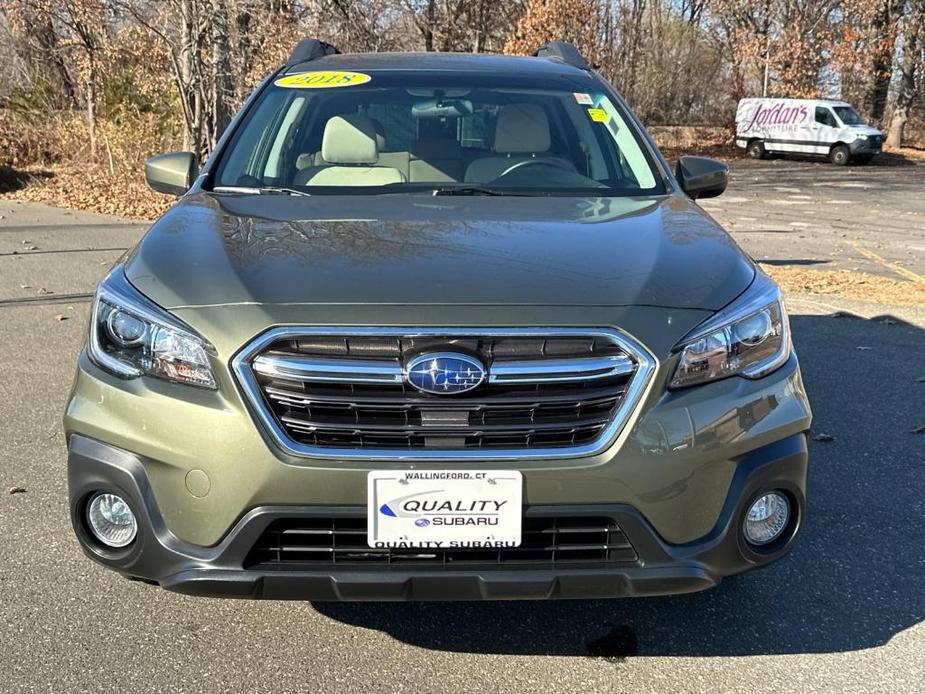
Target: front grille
<point x="306" y="543"/>
<point x="324" y="391"/>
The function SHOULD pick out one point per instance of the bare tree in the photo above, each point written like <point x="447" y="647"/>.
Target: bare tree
<point x="912" y="72"/>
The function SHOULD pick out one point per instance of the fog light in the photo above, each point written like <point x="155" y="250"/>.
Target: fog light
<point x="767" y="518"/>
<point x="111" y="520"/>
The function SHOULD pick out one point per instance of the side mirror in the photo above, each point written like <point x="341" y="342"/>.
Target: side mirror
<point x="172" y="173"/>
<point x="701" y="177"/>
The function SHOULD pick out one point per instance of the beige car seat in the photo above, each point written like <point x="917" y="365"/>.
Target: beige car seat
<point x="351" y="156"/>
<point x="436" y="160"/>
<point x="521" y="133"/>
<point x="394" y="160"/>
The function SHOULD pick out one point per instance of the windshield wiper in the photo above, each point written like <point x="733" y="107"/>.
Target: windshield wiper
<point x="473" y="190"/>
<point x="270" y="190"/>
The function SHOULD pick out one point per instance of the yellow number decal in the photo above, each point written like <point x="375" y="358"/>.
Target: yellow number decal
<point x="322" y="80"/>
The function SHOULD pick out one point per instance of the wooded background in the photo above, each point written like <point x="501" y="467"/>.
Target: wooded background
<point x="102" y="84"/>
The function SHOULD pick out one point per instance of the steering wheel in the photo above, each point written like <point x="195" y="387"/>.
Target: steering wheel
<point x="538" y="161"/>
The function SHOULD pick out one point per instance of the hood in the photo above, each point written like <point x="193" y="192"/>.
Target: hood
<point x="864" y="130"/>
<point x="418" y="250"/>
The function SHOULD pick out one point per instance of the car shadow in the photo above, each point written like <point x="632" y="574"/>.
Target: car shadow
<point x="853" y="581"/>
<point x="889" y="159"/>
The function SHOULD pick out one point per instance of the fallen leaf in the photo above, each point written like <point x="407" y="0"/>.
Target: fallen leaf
<point x="863" y="349"/>
<point x="32" y="248"/>
<point x="920" y="379"/>
<point x="17" y="490"/>
<point x="919" y="430"/>
<point x="25" y="286"/>
<point x="59" y="317"/>
<point x="42" y="290"/>
<point x="823" y="437"/>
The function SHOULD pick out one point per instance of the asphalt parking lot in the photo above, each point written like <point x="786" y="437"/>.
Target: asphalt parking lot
<point x="810" y="214"/>
<point x="845" y="612"/>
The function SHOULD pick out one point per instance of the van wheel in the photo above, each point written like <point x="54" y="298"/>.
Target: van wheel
<point x="755" y="149"/>
<point x="839" y="155"/>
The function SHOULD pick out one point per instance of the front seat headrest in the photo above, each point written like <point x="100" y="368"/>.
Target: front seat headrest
<point x="521" y="129"/>
<point x="380" y="134"/>
<point x="349" y="139"/>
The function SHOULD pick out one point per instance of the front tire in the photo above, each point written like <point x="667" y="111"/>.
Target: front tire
<point x="840" y="156"/>
<point x="755" y="149"/>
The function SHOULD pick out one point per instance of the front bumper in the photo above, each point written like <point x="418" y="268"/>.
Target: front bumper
<point x="868" y="147"/>
<point x="158" y="556"/>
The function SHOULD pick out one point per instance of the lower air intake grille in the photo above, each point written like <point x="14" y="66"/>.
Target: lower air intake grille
<point x="307" y="543"/>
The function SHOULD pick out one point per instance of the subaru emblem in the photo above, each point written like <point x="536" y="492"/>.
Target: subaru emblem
<point x="445" y="373"/>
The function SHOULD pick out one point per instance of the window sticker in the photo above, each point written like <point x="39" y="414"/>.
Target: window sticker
<point x="598" y="115"/>
<point x="584" y="99"/>
<point x="326" y="79"/>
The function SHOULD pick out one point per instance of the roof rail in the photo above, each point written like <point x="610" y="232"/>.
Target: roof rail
<point x="310" y="49"/>
<point x="563" y="52"/>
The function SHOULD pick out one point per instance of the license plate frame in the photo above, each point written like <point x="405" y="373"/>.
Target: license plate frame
<point x="444" y="509"/>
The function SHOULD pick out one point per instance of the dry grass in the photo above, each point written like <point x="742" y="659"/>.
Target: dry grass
<point x="849" y="285"/>
<point x="916" y="153"/>
<point x="95" y="189"/>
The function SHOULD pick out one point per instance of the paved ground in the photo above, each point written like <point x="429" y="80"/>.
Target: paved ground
<point x="844" y="613"/>
<point x="813" y="214"/>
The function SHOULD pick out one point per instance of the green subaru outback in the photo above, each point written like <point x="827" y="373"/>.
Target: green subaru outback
<point x="432" y="326"/>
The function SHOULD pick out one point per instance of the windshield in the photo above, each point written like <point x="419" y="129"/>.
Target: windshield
<point x="848" y="115"/>
<point x="453" y="132"/>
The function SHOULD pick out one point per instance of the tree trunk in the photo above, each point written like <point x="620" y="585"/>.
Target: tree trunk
<point x="245" y="52"/>
<point x="481" y="30"/>
<point x="185" y="77"/>
<point x="914" y="35"/>
<point x="884" y="34"/>
<point x="47" y="40"/>
<point x="91" y="108"/>
<point x="430" y="18"/>
<point x="222" y="82"/>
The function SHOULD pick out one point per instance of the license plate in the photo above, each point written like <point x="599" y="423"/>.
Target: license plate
<point x="444" y="509"/>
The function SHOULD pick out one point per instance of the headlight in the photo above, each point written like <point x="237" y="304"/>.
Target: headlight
<point x="750" y="338"/>
<point x="130" y="337"/>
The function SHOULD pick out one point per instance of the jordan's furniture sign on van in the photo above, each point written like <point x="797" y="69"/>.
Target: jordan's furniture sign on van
<point x="831" y="129"/>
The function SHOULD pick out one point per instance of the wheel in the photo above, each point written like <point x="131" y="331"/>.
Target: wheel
<point x="839" y="155"/>
<point x="755" y="149"/>
<point x="863" y="158"/>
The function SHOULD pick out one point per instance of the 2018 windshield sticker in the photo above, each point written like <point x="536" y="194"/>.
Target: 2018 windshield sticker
<point x="598" y="115"/>
<point x="326" y="79"/>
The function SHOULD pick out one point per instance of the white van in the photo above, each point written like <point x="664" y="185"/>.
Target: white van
<point x="831" y="129"/>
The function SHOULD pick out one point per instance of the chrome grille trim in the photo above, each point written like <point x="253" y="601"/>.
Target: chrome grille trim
<point x="245" y="363"/>
<point x="328" y="370"/>
<point x="319" y="370"/>
<point x="560" y="370"/>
